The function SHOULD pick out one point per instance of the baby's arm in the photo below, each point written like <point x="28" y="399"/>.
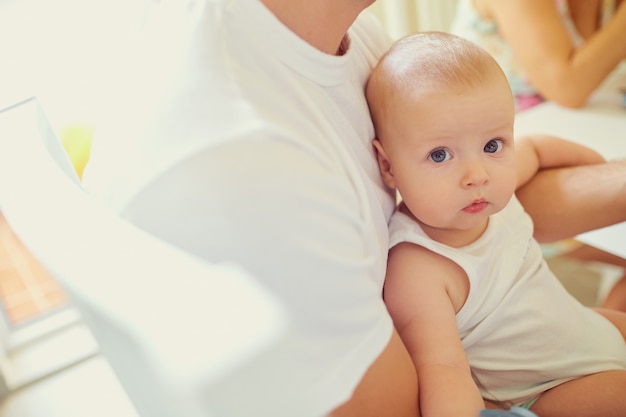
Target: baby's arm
<point x="423" y="292"/>
<point x="536" y="152"/>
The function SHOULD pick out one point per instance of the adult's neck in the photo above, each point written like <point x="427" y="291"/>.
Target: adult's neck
<point x="322" y="23"/>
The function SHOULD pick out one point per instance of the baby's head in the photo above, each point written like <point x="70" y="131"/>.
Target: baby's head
<point x="423" y="64"/>
<point x="434" y="99"/>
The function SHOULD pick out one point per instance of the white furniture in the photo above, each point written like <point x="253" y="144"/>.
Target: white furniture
<point x="601" y="124"/>
<point x="172" y="326"/>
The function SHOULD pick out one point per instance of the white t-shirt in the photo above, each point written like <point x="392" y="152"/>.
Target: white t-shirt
<point x="234" y="139"/>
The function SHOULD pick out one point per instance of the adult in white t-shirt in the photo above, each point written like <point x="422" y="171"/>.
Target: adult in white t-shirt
<point x="241" y="133"/>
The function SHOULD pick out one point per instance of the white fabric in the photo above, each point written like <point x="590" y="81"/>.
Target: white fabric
<point x="522" y="332"/>
<point x="236" y="140"/>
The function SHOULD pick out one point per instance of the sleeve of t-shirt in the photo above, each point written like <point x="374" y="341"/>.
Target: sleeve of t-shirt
<point x="291" y="220"/>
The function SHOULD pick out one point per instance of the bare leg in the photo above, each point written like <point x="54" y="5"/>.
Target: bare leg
<point x="493" y="406"/>
<point x="616" y="299"/>
<point x="601" y="394"/>
<point x="598" y="395"/>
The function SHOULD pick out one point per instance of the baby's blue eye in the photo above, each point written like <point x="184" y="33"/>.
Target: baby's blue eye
<point x="493" y="146"/>
<point x="439" y="155"/>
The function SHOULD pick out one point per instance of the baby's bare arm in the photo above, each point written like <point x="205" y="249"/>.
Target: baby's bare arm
<point x="536" y="152"/>
<point x="423" y="291"/>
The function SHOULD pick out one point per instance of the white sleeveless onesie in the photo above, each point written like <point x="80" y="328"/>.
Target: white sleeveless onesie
<point x="523" y="333"/>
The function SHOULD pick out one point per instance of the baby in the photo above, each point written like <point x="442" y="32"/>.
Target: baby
<point x="484" y="319"/>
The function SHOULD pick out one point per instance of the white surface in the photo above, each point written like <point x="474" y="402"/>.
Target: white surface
<point x="90" y="389"/>
<point x="54" y="353"/>
<point x="601" y="124"/>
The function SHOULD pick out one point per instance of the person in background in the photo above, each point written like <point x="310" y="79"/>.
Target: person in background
<point x="480" y="312"/>
<point x="557" y="50"/>
<point x="238" y="131"/>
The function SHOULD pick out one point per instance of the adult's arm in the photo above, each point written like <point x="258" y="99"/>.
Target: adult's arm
<point x="586" y="15"/>
<point x="543" y="48"/>
<point x="388" y="388"/>
<point x="564" y="202"/>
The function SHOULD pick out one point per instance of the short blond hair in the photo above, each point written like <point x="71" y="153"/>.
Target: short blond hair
<point x="426" y="61"/>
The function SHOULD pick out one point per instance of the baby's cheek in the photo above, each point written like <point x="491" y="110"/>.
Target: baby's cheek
<point x="507" y="185"/>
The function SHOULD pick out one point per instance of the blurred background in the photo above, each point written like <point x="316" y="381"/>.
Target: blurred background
<point x="62" y="51"/>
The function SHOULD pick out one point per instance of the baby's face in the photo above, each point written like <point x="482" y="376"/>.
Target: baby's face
<point x="452" y="156"/>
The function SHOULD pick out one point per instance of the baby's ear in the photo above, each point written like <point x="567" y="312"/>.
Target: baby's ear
<point x="384" y="165"/>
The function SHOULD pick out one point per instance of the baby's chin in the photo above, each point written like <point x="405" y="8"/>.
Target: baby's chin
<point x="457" y="232"/>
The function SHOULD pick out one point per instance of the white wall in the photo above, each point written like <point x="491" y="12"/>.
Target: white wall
<point x="55" y="48"/>
<point x="402" y="17"/>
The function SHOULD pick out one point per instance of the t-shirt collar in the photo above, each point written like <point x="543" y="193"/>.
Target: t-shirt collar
<point x="264" y="28"/>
